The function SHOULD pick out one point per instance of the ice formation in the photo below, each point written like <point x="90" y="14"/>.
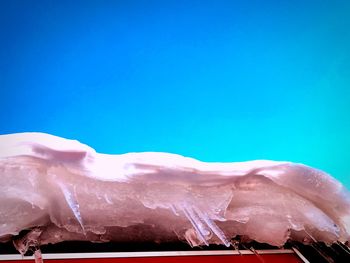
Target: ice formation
<point x="62" y="190"/>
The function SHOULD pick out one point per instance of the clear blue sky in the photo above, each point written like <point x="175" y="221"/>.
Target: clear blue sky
<point x="215" y="80"/>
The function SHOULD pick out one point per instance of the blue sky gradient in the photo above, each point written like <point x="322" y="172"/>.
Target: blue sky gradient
<point x="214" y="80"/>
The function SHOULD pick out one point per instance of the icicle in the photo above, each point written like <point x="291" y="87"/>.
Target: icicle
<point x="257" y="254"/>
<point x="310" y="236"/>
<point x="235" y="245"/>
<point x="30" y="240"/>
<point x="217" y="231"/>
<point x="174" y="210"/>
<point x="37" y="256"/>
<point x="322" y="253"/>
<point x="107" y="199"/>
<point x="196" y="223"/>
<point x="341" y="245"/>
<point x="73" y="204"/>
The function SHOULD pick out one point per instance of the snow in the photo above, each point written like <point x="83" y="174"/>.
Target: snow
<point x="64" y="190"/>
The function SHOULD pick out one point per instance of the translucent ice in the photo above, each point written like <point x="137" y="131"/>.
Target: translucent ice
<point x="63" y="190"/>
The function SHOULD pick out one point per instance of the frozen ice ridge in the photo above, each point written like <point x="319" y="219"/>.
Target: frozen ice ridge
<point x="62" y="190"/>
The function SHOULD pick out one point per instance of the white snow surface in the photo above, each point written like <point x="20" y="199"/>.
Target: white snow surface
<point x="63" y="190"/>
